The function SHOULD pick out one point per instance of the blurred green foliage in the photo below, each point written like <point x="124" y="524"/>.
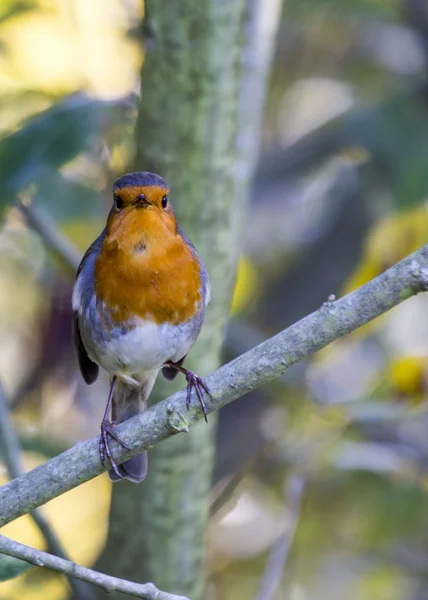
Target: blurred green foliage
<point x="38" y="150"/>
<point x="11" y="567"/>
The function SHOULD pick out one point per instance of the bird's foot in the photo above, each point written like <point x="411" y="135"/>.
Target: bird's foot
<point x="193" y="381"/>
<point x="104" y="447"/>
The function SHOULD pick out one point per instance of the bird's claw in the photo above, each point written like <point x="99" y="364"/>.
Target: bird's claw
<point x="193" y="381"/>
<point x="104" y="447"/>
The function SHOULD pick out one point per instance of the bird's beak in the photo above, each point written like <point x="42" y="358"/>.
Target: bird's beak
<point x="142" y="202"/>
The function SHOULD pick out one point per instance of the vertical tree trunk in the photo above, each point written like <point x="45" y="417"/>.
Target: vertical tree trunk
<point x="203" y="87"/>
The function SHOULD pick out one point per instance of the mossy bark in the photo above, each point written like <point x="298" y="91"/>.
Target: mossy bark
<point x="190" y="117"/>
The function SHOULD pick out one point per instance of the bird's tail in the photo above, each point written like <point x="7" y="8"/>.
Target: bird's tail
<point x="129" y="400"/>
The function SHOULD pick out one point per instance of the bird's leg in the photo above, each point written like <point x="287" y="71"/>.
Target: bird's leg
<point x="193" y="381"/>
<point x="106" y="430"/>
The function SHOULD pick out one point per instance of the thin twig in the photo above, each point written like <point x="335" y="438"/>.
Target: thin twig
<point x="281" y="548"/>
<point x="48" y="231"/>
<point x="260" y="365"/>
<point x="11" y="451"/>
<point x="147" y="591"/>
<point x="9" y="441"/>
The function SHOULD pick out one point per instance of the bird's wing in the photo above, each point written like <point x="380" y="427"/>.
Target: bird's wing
<point x="88" y="367"/>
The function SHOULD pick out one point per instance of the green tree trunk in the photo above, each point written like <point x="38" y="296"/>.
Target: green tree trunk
<point x="202" y="93"/>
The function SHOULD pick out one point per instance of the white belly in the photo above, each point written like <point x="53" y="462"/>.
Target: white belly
<point x="145" y="348"/>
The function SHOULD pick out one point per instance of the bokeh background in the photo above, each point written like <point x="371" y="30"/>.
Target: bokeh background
<point x="323" y="471"/>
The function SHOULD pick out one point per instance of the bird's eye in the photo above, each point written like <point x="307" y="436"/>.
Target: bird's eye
<point x="118" y="202"/>
<point x="164" y="201"/>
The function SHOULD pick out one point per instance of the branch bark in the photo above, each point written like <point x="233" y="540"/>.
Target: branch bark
<point x="253" y="369"/>
<point x="38" y="558"/>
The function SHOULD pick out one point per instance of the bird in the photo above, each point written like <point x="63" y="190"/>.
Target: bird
<point x="139" y="303"/>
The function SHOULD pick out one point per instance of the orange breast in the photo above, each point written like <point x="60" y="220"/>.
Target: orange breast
<point x="149" y="273"/>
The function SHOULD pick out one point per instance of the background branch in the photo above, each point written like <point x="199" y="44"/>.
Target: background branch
<point x="281" y="548"/>
<point x="38" y="558"/>
<point x="48" y="231"/>
<point x="253" y="369"/>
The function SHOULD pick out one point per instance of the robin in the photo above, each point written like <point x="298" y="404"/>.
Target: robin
<point x="139" y="302"/>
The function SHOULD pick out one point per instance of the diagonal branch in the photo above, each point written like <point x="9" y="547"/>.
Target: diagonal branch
<point x="253" y="369"/>
<point x="147" y="591"/>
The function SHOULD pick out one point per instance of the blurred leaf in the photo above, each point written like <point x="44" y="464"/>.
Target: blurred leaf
<point x="11" y="567"/>
<point x="407" y="374"/>
<point x="246" y="285"/>
<point x="395" y="506"/>
<point x="377" y="412"/>
<point x="11" y="8"/>
<point x="390" y="136"/>
<point x="389" y="241"/>
<point x="16" y="106"/>
<point x="50" y="140"/>
<point x="64" y="198"/>
<point x="395" y="133"/>
<point x="406" y="378"/>
<point x="383" y="583"/>
<point x="370" y="456"/>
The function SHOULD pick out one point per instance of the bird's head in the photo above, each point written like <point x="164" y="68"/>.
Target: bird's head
<point x="141" y="214"/>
